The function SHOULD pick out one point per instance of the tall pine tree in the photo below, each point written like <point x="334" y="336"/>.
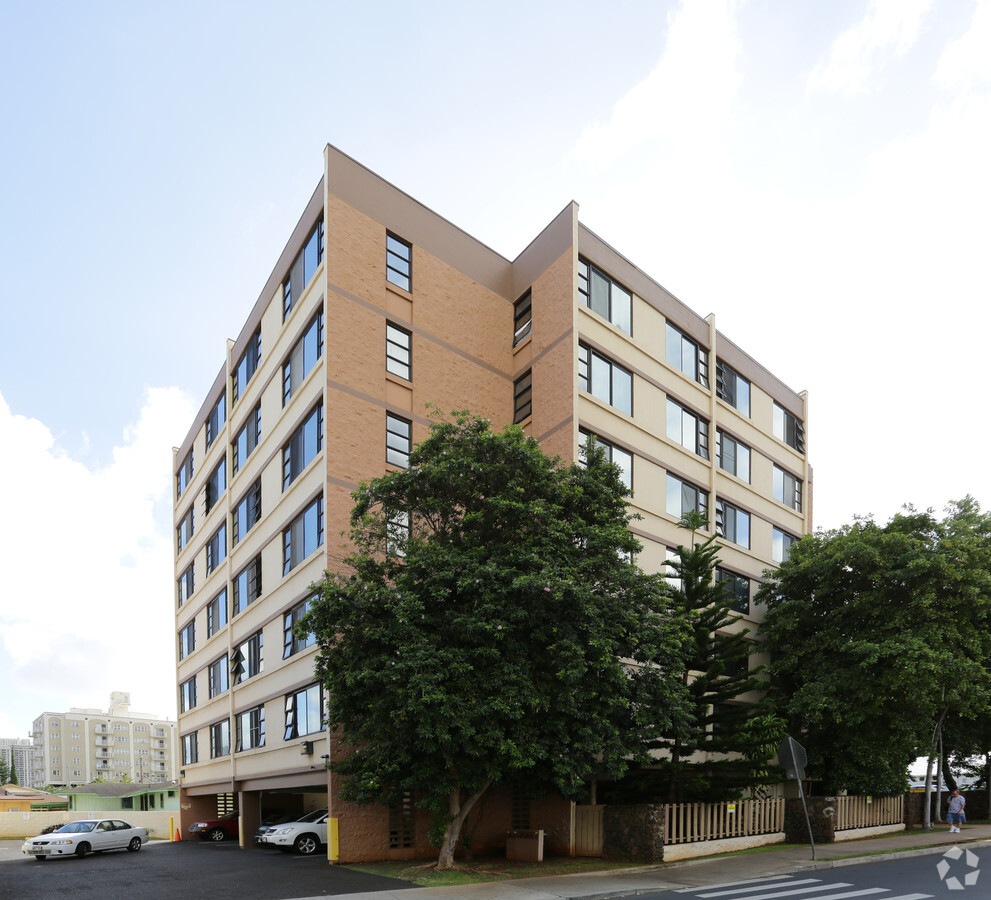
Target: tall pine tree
<point x="725" y="748"/>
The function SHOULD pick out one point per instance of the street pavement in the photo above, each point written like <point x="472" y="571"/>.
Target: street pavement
<point x="693" y="873"/>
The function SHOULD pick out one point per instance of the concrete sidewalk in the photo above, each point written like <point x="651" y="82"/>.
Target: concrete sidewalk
<point x="694" y="873"/>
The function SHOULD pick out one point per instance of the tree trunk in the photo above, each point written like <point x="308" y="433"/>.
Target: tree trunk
<point x="933" y="748"/>
<point x="459" y="812"/>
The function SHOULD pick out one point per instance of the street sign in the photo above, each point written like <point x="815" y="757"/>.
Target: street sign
<point x="792" y="758"/>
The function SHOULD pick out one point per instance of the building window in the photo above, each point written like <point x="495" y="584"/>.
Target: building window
<point x="190" y="749"/>
<point x="187" y="640"/>
<point x="787" y="489"/>
<point x="670" y="558"/>
<point x="220" y="739"/>
<point x="291" y="643"/>
<point x="737" y="590"/>
<point x="216" y="549"/>
<point x="401" y="823"/>
<point x="247" y="512"/>
<point x="687" y="429"/>
<point x="398" y="350"/>
<point x="733" y="456"/>
<point x="523" y="397"/>
<point x="249" y="729"/>
<point x="216" y="484"/>
<point x="186" y="583"/>
<point x="247" y="660"/>
<point x="604" y="296"/>
<point x="522" y="317"/>
<point x="398" y="440"/>
<point x="216" y="613"/>
<point x="733" y="388"/>
<point x="247" y="365"/>
<point x="184" y="530"/>
<point x="303" y="268"/>
<point x="247" y="585"/>
<point x="218" y="676"/>
<point x="604" y="379"/>
<point x="247" y="438"/>
<point x="187" y="695"/>
<point x="303" y="536"/>
<point x="302" y="358"/>
<point x="685" y="354"/>
<point x="304" y="712"/>
<point x="184" y="475"/>
<point x="732" y="524"/>
<point x="397" y="533"/>
<point x="683" y="497"/>
<point x="615" y="455"/>
<point x="788" y="428"/>
<point x="216" y="419"/>
<point x="781" y="544"/>
<point x="304" y="444"/>
<point x="399" y="262"/>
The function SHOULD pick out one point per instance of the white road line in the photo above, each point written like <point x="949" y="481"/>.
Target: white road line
<point x="760" y="886"/>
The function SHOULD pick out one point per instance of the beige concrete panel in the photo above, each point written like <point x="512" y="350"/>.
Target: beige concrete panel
<point x="398" y="393"/>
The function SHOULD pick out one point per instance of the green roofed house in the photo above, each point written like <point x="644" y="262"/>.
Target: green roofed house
<point x="114" y="797"/>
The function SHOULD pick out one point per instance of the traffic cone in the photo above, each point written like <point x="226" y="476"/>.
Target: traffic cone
<point x="177" y="836"/>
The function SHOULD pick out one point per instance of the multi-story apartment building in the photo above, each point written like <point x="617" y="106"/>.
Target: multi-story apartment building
<point x="17" y="752"/>
<point x="377" y="307"/>
<point x="81" y="745"/>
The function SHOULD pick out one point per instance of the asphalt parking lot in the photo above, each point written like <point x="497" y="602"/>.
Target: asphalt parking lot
<point x="164" y="871"/>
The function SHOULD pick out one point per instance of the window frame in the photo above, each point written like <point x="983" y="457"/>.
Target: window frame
<point x="220" y="739"/>
<point x="701" y="496"/>
<point x="729" y="388"/>
<point x="251" y="438"/>
<point x="523" y="397"/>
<point x="786" y="540"/>
<point x="523" y="317"/>
<point x="187" y="639"/>
<point x="723" y="510"/>
<point x="216" y="485"/>
<point x="739" y="604"/>
<point x="215" y="624"/>
<point x="611" y="451"/>
<point x="291" y="730"/>
<point x="216" y="548"/>
<point x="295" y="458"/>
<point x="250" y="724"/>
<point x="589" y="382"/>
<point x="699" y="427"/>
<point x="789" y="496"/>
<point x="184" y="475"/>
<point x="587" y="273"/>
<point x="302" y="358"/>
<point x="700" y="371"/>
<point x="247" y="659"/>
<point x="186" y="583"/>
<point x="251" y="360"/>
<point x="218" y="676"/>
<point x="788" y="428"/>
<point x="187" y="695"/>
<point x="190" y="748"/>
<point x="298" y="275"/>
<point x="216" y="419"/>
<point x="722" y="438"/>
<point x="394" y="438"/>
<point x="291" y="645"/>
<point x="292" y="543"/>
<point x="398" y="351"/>
<point x="399" y="262"/>
<point x="239" y="603"/>
<point x="247" y="511"/>
<point x="185" y="529"/>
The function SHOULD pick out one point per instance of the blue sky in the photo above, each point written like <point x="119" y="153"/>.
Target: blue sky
<point x="815" y="174"/>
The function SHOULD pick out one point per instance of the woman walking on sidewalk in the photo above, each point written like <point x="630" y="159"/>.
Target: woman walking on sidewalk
<point x="955" y="814"/>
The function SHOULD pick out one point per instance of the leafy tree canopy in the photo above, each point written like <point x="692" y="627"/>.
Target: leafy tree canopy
<point x="492" y="628"/>
<point x="876" y="633"/>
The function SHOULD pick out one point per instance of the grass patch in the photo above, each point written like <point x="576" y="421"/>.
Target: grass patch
<point x="423" y="873"/>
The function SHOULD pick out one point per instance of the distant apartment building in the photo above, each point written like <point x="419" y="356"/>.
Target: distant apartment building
<point x="376" y="307"/>
<point x="17" y="752"/>
<point x="82" y="745"/>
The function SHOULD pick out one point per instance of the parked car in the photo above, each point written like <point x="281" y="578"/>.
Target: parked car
<point x="306" y="835"/>
<point x="89" y="835"/>
<point x="270" y="823"/>
<point x="216" y="829"/>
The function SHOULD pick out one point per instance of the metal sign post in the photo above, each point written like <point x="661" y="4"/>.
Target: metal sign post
<point x="792" y="758"/>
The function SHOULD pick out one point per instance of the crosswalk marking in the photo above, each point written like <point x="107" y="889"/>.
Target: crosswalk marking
<point x="787" y="887"/>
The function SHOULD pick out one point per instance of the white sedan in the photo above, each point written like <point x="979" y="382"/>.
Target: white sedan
<point x="88" y="836"/>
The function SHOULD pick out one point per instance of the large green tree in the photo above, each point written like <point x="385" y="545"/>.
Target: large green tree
<point x="877" y="634"/>
<point x="491" y="627"/>
<point x="5" y="767"/>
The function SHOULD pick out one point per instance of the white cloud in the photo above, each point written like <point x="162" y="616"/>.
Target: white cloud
<point x="686" y="94"/>
<point x="86" y="558"/>
<point x="890" y="28"/>
<point x="966" y="62"/>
